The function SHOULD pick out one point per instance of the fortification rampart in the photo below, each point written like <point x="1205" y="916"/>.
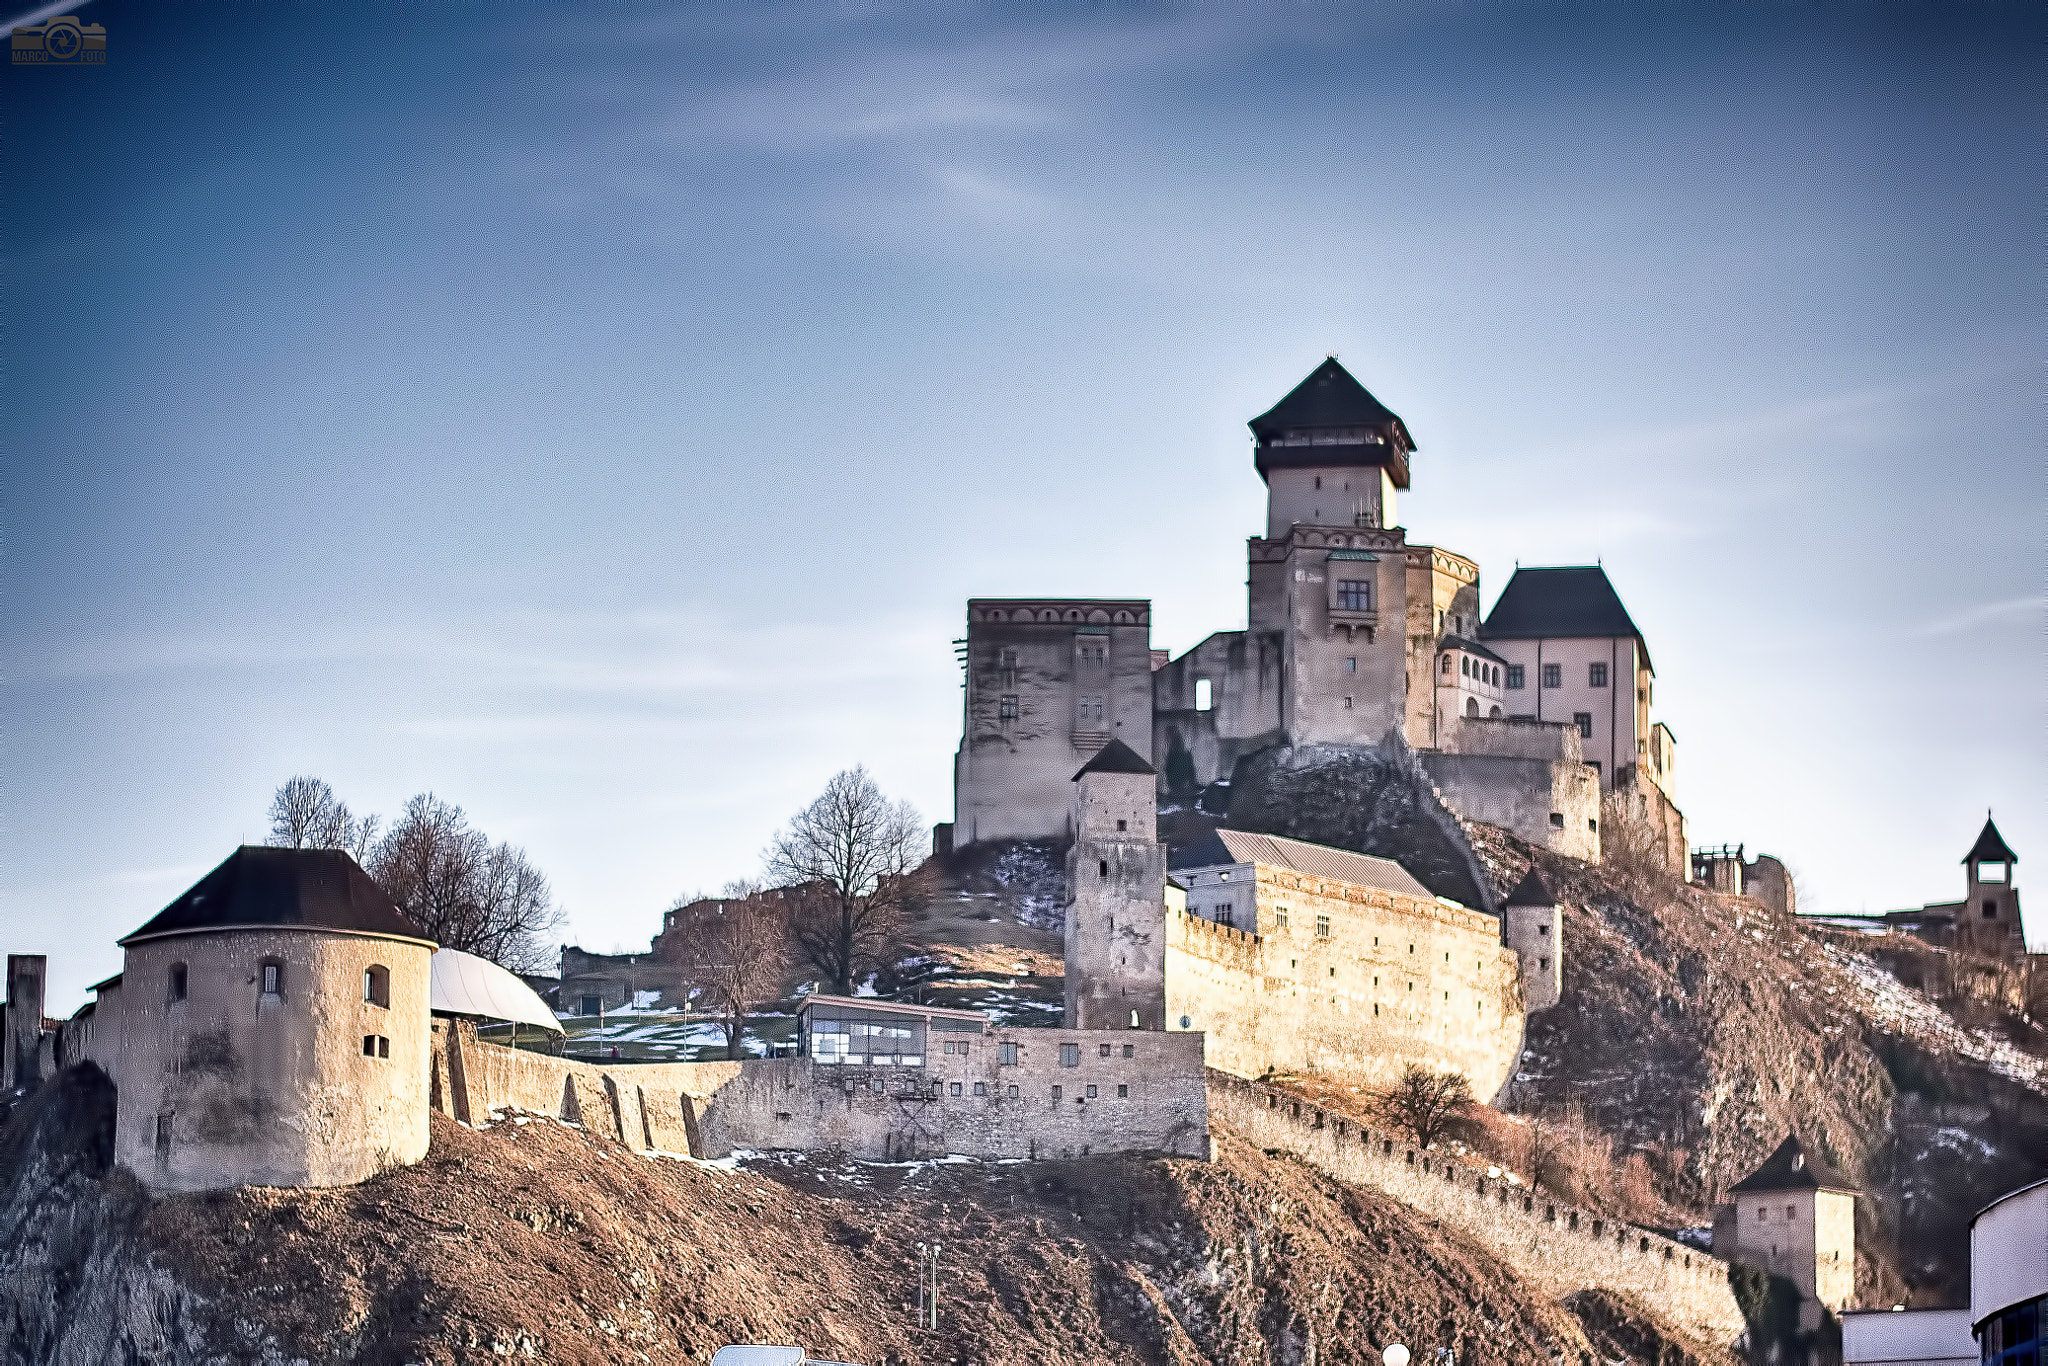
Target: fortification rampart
<point x="1558" y="1247"/>
<point x="1010" y="1093"/>
<point x="1358" y="984"/>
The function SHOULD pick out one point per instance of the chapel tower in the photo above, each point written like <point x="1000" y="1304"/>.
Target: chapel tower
<point x="1116" y="881"/>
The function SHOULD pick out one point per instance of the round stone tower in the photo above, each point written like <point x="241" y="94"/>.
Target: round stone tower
<point x="275" y="1029"/>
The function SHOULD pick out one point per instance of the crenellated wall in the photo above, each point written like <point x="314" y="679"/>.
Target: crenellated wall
<point x="1395" y="980"/>
<point x="1558" y="1247"/>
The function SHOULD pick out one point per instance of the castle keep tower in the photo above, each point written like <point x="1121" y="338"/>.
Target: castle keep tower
<point x="1116" y="878"/>
<point x="1794" y="1217"/>
<point x="275" y="1029"/>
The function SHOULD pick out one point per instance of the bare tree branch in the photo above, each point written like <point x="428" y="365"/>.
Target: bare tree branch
<point x="464" y="892"/>
<point x="1430" y="1105"/>
<point x="305" y="814"/>
<point x="853" y="868"/>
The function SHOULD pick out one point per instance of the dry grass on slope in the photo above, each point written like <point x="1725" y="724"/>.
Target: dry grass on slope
<point x="539" y="1240"/>
<point x="1696" y="1030"/>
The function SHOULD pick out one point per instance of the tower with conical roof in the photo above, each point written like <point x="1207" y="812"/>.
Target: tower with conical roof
<point x="1116" y="883"/>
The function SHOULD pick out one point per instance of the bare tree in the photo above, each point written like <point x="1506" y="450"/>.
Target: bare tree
<point x="1430" y="1105"/>
<point x="305" y="814"/>
<point x="853" y="868"/>
<point x="741" y="954"/>
<point x="464" y="892"/>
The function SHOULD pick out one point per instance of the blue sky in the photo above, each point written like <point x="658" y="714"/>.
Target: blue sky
<point x="599" y="415"/>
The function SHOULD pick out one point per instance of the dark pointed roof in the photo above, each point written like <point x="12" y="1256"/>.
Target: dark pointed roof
<point x="1532" y="890"/>
<point x="1331" y="398"/>
<point x="1990" y="847"/>
<point x="1115" y="757"/>
<point x="1575" y="602"/>
<point x="1792" y="1168"/>
<point x="297" y="888"/>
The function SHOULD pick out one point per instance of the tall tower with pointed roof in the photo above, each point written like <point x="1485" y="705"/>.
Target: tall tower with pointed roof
<point x="1535" y="931"/>
<point x="1116" y="882"/>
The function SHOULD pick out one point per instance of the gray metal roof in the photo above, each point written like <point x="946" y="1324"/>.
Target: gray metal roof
<point x="260" y="886"/>
<point x="1318" y="860"/>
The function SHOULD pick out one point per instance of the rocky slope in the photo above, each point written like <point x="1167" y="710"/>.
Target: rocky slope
<point x="534" y="1240"/>
<point x="1696" y="1030"/>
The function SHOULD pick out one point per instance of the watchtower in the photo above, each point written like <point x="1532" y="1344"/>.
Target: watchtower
<point x="1116" y="910"/>
<point x="1795" y="1217"/>
<point x="1989" y="918"/>
<point x="275" y="1029"/>
<point x="1535" y="931"/>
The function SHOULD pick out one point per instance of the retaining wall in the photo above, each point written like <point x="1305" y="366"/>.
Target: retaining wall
<point x="1558" y="1247"/>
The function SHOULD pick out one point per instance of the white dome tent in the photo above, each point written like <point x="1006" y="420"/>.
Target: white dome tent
<point x="464" y="984"/>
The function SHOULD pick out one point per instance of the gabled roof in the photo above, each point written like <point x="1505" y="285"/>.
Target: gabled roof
<point x="1532" y="890"/>
<point x="315" y="889"/>
<point x="1792" y="1168"/>
<point x="1115" y="757"/>
<point x="1277" y="851"/>
<point x="1330" y="398"/>
<point x="1572" y="603"/>
<point x="1990" y="847"/>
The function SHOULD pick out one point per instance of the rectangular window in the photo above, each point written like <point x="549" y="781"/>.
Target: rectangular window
<point x="981" y="1088"/>
<point x="1514" y="676"/>
<point x="1596" y="675"/>
<point x="273" y="979"/>
<point x="1553" y="675"/>
<point x="369" y="1045"/>
<point x="1011" y="1093"/>
<point x="1991" y="910"/>
<point x="954" y="1088"/>
<point x="1543" y="965"/>
<point x="1104" y="1050"/>
<point x="1091" y="709"/>
<point x="1006" y="1054"/>
<point x="1351" y="664"/>
<point x="377" y="986"/>
<point x="1584" y="721"/>
<point x="1347" y="702"/>
<point x="1006" y="710"/>
<point x="1006" y="660"/>
<point x="1204" y="695"/>
<point x="1322" y="927"/>
<point x="1091" y="1093"/>
<point x="383" y="1047"/>
<point x="1123" y="1092"/>
<point x="1354" y="595"/>
<point x="1070" y="1055"/>
<point x="1280" y="916"/>
<point x="177" y="981"/>
<point x="1056" y="1092"/>
<point x="1130" y="1050"/>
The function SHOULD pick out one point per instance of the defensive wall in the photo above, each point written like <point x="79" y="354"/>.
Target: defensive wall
<point x="1358" y="984"/>
<point x="1524" y="775"/>
<point x="1009" y="1093"/>
<point x="1558" y="1247"/>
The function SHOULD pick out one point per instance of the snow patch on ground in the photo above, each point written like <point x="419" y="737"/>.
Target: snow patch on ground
<point x="1903" y="1011"/>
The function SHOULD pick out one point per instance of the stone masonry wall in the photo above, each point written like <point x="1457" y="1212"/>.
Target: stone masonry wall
<point x="1559" y="1248"/>
<point x="969" y="1102"/>
<point x="1395" y="980"/>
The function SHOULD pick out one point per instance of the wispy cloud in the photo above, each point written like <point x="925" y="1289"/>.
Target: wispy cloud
<point x="1988" y="614"/>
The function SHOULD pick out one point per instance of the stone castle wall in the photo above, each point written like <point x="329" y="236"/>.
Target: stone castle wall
<point x="1395" y="980"/>
<point x="972" y="1102"/>
<point x="1559" y="1248"/>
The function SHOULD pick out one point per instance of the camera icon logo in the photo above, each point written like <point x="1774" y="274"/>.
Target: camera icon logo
<point x="62" y="41"/>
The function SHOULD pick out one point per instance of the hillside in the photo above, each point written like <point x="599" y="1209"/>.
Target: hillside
<point x="1697" y="1029"/>
<point x="532" y="1239"/>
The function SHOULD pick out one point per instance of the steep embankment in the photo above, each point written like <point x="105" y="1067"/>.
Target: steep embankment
<point x="1697" y="1030"/>
<point x="537" y="1240"/>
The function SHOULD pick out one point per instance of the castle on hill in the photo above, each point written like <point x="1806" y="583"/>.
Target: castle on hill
<point x="1528" y="719"/>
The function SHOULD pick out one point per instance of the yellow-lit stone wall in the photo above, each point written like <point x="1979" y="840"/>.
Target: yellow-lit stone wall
<point x="1350" y="982"/>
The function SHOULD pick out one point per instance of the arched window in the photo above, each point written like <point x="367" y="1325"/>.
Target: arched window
<point x="377" y="985"/>
<point x="1493" y="715"/>
<point x="1472" y="707"/>
<point x="1447" y="664"/>
<point x="177" y="992"/>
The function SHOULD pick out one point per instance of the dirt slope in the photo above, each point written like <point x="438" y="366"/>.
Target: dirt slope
<point x="538" y="1241"/>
